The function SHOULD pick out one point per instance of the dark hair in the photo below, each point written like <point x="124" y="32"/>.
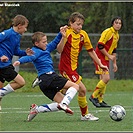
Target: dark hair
<point x="74" y="16"/>
<point x="115" y="18"/>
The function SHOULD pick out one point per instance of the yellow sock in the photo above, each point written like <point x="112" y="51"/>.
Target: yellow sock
<point x="98" y="89"/>
<point x="83" y="105"/>
<point x="101" y="95"/>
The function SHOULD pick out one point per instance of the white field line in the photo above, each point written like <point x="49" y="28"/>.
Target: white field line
<point x="24" y="110"/>
<point x="41" y="95"/>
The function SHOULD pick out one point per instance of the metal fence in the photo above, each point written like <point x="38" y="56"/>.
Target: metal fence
<point x="86" y="66"/>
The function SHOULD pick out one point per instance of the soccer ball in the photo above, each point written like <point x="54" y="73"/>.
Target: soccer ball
<point x="117" y="113"/>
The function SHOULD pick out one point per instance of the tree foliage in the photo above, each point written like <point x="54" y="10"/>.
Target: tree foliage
<point x="49" y="16"/>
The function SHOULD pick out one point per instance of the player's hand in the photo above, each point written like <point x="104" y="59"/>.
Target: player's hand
<point x="4" y="58"/>
<point x="16" y="63"/>
<point x="29" y="51"/>
<point x="63" y="30"/>
<point x="112" y="57"/>
<point x="105" y="68"/>
<point x="115" y="68"/>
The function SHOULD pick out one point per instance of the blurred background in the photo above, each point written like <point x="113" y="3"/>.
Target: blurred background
<point x="49" y="16"/>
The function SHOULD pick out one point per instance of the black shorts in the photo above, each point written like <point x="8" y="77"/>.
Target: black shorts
<point x="7" y="73"/>
<point x="51" y="84"/>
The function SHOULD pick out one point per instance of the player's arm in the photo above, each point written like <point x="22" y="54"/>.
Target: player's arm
<point x="102" y="49"/>
<point x="94" y="56"/>
<point x="115" y="68"/>
<point x="61" y="44"/>
<point x="24" y="59"/>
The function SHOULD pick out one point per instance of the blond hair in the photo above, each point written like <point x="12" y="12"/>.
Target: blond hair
<point x="37" y="36"/>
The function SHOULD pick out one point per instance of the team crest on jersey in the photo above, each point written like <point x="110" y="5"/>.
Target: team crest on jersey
<point x="81" y="38"/>
<point x="3" y="33"/>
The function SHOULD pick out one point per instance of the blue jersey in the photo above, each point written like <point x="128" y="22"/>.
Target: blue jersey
<point x="10" y="45"/>
<point x="42" y="59"/>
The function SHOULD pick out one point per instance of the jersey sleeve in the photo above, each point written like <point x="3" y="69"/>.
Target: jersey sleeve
<point x="19" y="52"/>
<point x="87" y="43"/>
<point x="105" y="36"/>
<point x="53" y="44"/>
<point x="29" y="58"/>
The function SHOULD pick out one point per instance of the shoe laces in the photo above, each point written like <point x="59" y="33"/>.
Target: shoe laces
<point x="33" y="109"/>
<point x="96" y="99"/>
<point x="89" y="115"/>
<point x="32" y="106"/>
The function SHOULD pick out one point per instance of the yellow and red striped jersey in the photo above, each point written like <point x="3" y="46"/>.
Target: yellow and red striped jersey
<point x="109" y="39"/>
<point x="72" y="48"/>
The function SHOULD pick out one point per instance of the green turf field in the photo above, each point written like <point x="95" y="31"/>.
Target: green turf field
<point x="15" y="108"/>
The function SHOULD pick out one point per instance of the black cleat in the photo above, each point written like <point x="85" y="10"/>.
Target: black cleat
<point x="95" y="101"/>
<point x="103" y="104"/>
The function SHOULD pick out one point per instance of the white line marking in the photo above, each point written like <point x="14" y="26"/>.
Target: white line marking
<point x="24" y="110"/>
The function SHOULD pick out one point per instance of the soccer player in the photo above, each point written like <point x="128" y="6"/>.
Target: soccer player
<point x="106" y="50"/>
<point x="9" y="46"/>
<point x="50" y="82"/>
<point x="76" y="38"/>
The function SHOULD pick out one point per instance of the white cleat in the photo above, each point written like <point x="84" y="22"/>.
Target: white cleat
<point x="65" y="108"/>
<point x="36" y="82"/>
<point x="89" y="117"/>
<point x="33" y="112"/>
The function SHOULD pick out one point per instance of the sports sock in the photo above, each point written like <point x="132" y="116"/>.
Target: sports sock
<point x="100" y="86"/>
<point x="6" y="90"/>
<point x="70" y="93"/>
<point x="83" y="105"/>
<point x="101" y="95"/>
<point x="47" y="107"/>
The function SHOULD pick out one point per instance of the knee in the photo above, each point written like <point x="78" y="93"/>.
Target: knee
<point x="106" y="79"/>
<point x="82" y="91"/>
<point x="22" y="83"/>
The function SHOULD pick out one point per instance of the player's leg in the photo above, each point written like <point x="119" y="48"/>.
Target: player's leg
<point x="61" y="101"/>
<point x="105" y="79"/>
<point x="9" y="74"/>
<point x="85" y="115"/>
<point x="53" y="93"/>
<point x="82" y="99"/>
<point x="97" y="93"/>
<point x="75" y="77"/>
<point x="1" y="86"/>
<point x="16" y="84"/>
<point x="97" y="96"/>
<point x="35" y="109"/>
<point x="71" y="90"/>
